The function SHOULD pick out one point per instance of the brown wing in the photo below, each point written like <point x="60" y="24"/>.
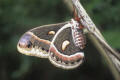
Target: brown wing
<point x="36" y="42"/>
<point x="63" y="52"/>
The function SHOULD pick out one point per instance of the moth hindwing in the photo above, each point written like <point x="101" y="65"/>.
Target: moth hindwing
<point x="36" y="42"/>
<point x="66" y="46"/>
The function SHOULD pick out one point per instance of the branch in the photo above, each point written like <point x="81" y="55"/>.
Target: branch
<point x="110" y="55"/>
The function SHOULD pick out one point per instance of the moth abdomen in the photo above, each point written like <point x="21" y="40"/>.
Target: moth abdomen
<point x="78" y="38"/>
<point x="80" y="41"/>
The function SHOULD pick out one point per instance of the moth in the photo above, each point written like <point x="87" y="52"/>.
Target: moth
<point x="61" y="43"/>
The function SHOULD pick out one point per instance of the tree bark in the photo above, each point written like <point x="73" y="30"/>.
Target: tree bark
<point x="111" y="56"/>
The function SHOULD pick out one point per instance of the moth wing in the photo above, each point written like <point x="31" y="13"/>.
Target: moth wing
<point x="63" y="52"/>
<point x="36" y="42"/>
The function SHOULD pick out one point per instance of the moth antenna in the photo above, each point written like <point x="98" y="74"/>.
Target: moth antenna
<point x="76" y="17"/>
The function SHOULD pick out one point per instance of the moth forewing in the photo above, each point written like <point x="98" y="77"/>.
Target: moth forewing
<point x="36" y="42"/>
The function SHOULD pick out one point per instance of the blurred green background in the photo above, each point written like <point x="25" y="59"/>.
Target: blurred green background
<point x="18" y="16"/>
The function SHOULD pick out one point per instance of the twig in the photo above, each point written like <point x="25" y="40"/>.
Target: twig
<point x="110" y="55"/>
